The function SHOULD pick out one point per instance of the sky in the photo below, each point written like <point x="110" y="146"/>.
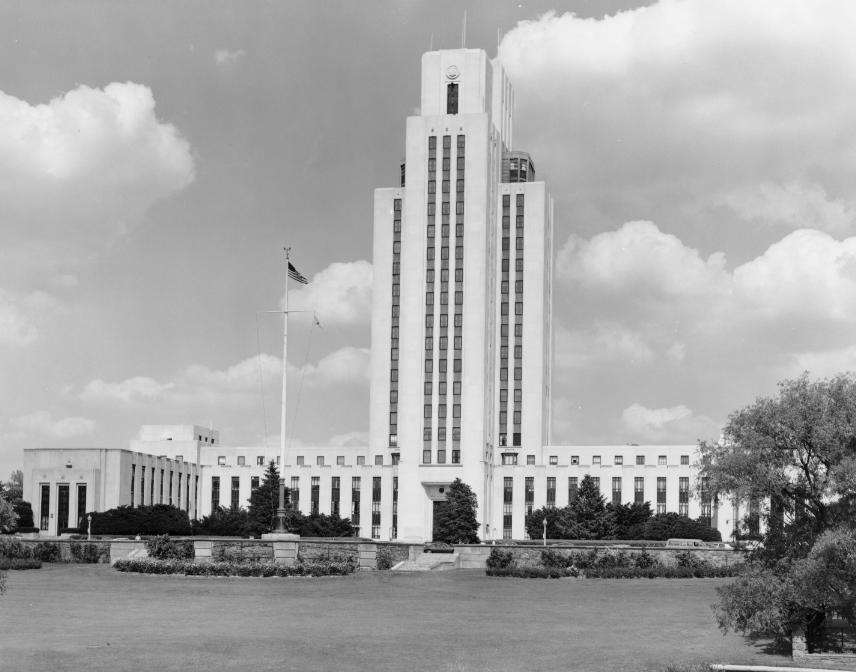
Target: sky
<point x="155" y="157"/>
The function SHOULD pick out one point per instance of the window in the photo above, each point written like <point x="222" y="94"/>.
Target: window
<point x="596" y="481"/>
<point x="661" y="460"/>
<point x="509" y="458"/>
<point x="529" y="494"/>
<point x="355" y="501"/>
<point x="595" y="459"/>
<point x="554" y="460"/>
<point x="340" y="460"/>
<point x="254" y="483"/>
<point x="236" y="489"/>
<point x="396" y="458"/>
<point x="361" y="460"/>
<point x="335" y="490"/>
<point x="319" y="460"/>
<point x="551" y="491"/>
<point x="573" y="488"/>
<point x="530" y="459"/>
<point x="616" y="490"/>
<point x="507" y="503"/>
<point x="300" y="460"/>
<point x="685" y="460"/>
<point x="378" y="460"/>
<point x="426" y="456"/>
<point x="315" y="493"/>
<point x="575" y="459"/>
<point x="639" y="490"/>
<point x="260" y="460"/>
<point x="661" y="494"/>
<point x="640" y="459"/>
<point x="451" y="100"/>
<point x="221" y="460"/>
<point x="215" y="491"/>
<point x="619" y="459"/>
<point x="242" y="461"/>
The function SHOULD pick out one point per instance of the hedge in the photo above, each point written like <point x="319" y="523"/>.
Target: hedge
<point x="164" y="548"/>
<point x="46" y="551"/>
<point x="660" y="572"/>
<point x="155" y="519"/>
<point x="261" y="569"/>
<point x="534" y="572"/>
<point x="20" y="563"/>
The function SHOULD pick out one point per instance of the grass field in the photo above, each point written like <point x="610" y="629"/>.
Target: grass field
<point x="90" y="617"/>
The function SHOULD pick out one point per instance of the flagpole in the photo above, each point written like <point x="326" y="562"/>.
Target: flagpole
<point x="280" y="513"/>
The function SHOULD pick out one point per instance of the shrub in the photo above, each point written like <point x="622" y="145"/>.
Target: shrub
<point x="672" y="525"/>
<point x="644" y="560"/>
<point x="385" y="558"/>
<point x="12" y="548"/>
<point x="500" y="559"/>
<point x="689" y="559"/>
<point x="155" y="519"/>
<point x="259" y="569"/>
<point x="20" y="563"/>
<point x="164" y="548"/>
<point x="46" y="551"/>
<point x="551" y="558"/>
<point x="25" y="515"/>
<point x="89" y="552"/>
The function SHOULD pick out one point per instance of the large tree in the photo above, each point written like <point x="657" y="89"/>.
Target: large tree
<point x="455" y="519"/>
<point x="795" y="456"/>
<point x="264" y="502"/>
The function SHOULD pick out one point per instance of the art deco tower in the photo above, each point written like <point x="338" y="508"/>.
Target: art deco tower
<point x="461" y="318"/>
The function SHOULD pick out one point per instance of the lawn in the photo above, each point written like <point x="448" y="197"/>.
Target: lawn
<point x="90" y="617"/>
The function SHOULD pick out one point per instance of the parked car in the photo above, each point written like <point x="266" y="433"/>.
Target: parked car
<point x="721" y="545"/>
<point x="685" y="543"/>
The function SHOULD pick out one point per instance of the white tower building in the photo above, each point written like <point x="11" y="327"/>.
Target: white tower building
<point x="462" y="287"/>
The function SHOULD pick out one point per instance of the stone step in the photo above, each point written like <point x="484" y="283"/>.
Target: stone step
<point x="428" y="562"/>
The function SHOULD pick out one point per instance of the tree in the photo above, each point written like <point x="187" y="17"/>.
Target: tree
<point x="322" y="525"/>
<point x="8" y="517"/>
<point x="630" y="519"/>
<point x="455" y="519"/>
<point x="264" y="503"/>
<point x="223" y="522"/>
<point x="13" y="489"/>
<point x="795" y="454"/>
<point x="672" y="525"/>
<point x="589" y="508"/>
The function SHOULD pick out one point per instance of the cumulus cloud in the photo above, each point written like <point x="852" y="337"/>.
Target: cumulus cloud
<point x="226" y="57"/>
<point x="666" y="424"/>
<point x="685" y="105"/>
<point x="79" y="171"/>
<point x="348" y="365"/>
<point x="42" y="423"/>
<point x="350" y="439"/>
<point x="340" y="294"/>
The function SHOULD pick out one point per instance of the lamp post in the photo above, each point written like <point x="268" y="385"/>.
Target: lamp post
<point x="545" y="530"/>
<point x="280" y="512"/>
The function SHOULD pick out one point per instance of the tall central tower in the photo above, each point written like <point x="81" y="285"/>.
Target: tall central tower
<point x="461" y="300"/>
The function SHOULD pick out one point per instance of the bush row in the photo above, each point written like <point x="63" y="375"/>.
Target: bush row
<point x="264" y="569"/>
<point x="20" y="563"/>
<point x="592" y="559"/>
<point x="661" y="572"/>
<point x="534" y="572"/>
<point x="49" y="551"/>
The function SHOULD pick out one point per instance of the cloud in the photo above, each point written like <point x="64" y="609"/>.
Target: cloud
<point x="79" y="171"/>
<point x="139" y="388"/>
<point x="346" y="366"/>
<point x="226" y="57"/>
<point x="350" y="440"/>
<point x="341" y="294"/>
<point x="664" y="425"/>
<point x="20" y="313"/>
<point x="42" y="423"/>
<point x="683" y="106"/>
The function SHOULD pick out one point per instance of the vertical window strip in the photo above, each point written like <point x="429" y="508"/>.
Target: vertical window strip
<point x="431" y="278"/>
<point x="457" y="358"/>
<point x="518" y="319"/>
<point x="504" y="321"/>
<point x="443" y="352"/>
<point x="396" y="291"/>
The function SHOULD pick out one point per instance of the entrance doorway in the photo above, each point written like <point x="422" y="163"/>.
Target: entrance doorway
<point x="62" y="507"/>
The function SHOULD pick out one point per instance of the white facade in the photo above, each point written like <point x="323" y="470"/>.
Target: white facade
<point x="461" y="352"/>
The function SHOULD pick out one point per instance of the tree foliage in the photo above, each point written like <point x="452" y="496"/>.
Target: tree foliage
<point x="264" y="503"/>
<point x="796" y="453"/>
<point x="127" y="520"/>
<point x="455" y="519"/>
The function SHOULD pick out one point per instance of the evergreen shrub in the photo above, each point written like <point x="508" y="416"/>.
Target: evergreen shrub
<point x="143" y="520"/>
<point x="258" y="569"/>
<point x="163" y="547"/>
<point x="20" y="563"/>
<point x="499" y="559"/>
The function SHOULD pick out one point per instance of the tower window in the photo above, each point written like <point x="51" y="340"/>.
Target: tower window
<point x="452" y="99"/>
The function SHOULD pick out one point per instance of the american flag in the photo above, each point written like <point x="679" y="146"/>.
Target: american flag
<point x="295" y="275"/>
